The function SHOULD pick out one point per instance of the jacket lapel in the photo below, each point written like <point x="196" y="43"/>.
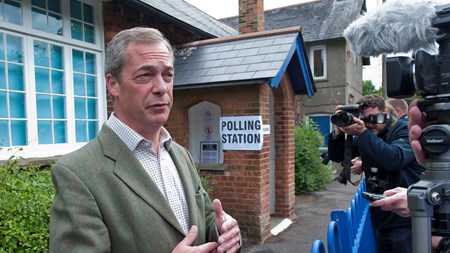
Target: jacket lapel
<point x="131" y="172"/>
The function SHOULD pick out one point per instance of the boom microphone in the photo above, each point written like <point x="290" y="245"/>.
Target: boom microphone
<point x="397" y="26"/>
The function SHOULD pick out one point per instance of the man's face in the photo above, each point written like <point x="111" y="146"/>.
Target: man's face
<point x="143" y="97"/>
<point x="375" y="128"/>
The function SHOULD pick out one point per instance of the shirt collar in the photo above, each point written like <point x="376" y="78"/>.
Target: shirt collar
<point x="131" y="138"/>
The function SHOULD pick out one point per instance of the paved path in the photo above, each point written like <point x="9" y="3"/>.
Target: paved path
<point x="313" y="215"/>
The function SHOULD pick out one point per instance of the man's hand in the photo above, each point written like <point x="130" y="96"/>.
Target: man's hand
<point x="356" y="167"/>
<point x="229" y="239"/>
<point x="397" y="202"/>
<point x="416" y="122"/>
<point x="355" y="129"/>
<point x="185" y="246"/>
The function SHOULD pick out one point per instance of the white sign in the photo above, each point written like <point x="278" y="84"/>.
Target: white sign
<point x="241" y="133"/>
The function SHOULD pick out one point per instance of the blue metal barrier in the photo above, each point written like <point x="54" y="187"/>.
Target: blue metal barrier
<point x="351" y="230"/>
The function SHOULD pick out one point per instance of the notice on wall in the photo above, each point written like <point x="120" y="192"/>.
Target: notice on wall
<point x="241" y="133"/>
<point x="209" y="152"/>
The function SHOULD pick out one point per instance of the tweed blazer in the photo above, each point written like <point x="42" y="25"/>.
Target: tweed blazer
<point x="106" y="202"/>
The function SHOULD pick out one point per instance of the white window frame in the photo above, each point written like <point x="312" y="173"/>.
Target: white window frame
<point x="25" y="31"/>
<point x="323" y="49"/>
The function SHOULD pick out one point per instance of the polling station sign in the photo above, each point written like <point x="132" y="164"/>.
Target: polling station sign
<point x="241" y="132"/>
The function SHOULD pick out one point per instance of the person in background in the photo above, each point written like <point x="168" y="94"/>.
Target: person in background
<point x="387" y="161"/>
<point x="400" y="106"/>
<point x="132" y="188"/>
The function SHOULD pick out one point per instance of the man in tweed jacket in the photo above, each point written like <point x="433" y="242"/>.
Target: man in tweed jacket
<point x="133" y="189"/>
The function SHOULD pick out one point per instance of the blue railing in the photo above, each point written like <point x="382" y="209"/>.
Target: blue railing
<point x="351" y="230"/>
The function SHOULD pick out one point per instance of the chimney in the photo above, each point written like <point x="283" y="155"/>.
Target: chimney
<point x="251" y="16"/>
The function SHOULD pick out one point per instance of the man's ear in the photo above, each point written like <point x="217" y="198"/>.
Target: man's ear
<point x="112" y="85"/>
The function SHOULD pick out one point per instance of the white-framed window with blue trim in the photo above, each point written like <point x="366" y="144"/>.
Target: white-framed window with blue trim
<point x="318" y="62"/>
<point x="323" y="122"/>
<point x="52" y="93"/>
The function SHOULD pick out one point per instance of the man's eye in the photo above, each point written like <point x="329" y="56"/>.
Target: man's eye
<point x="143" y="78"/>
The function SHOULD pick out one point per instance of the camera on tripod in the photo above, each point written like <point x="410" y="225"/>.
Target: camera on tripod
<point x="429" y="76"/>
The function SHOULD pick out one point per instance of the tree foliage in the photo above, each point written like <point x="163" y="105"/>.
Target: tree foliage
<point x="369" y="88"/>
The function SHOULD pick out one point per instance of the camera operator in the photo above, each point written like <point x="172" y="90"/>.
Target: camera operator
<point x="388" y="161"/>
<point x="397" y="200"/>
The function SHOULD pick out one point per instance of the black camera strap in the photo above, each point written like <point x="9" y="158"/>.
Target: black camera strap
<point x="347" y="163"/>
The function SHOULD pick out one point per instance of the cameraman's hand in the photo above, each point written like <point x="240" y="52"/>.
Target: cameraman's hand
<point x="416" y="122"/>
<point x="397" y="201"/>
<point x="356" y="167"/>
<point x="355" y="129"/>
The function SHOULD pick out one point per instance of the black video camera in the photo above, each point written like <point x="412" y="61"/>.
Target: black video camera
<point x="426" y="75"/>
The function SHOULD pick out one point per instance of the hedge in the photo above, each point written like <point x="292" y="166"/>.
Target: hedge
<point x="26" y="195"/>
<point x="310" y="173"/>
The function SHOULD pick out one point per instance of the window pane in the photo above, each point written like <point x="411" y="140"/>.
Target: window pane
<point x="2" y="46"/>
<point x="58" y="82"/>
<point x="318" y="63"/>
<point x="42" y="80"/>
<point x="92" y="129"/>
<point x="80" y="108"/>
<point x="60" y="131"/>
<point x="81" y="135"/>
<point x="59" y="109"/>
<point x="14" y="48"/>
<point x="77" y="30"/>
<point x="39" y="19"/>
<point x="90" y="86"/>
<point x="53" y="5"/>
<point x="19" y="132"/>
<point x="78" y="61"/>
<point x="92" y="112"/>
<point x="40" y="54"/>
<point x="88" y="14"/>
<point x="15" y="75"/>
<point x="78" y="85"/>
<point x="89" y="33"/>
<point x="43" y="107"/>
<point x="90" y="63"/>
<point x="2" y="76"/>
<point x="56" y="57"/>
<point x="45" y="132"/>
<point x="4" y="134"/>
<point x="39" y="3"/>
<point x="55" y="24"/>
<point x="13" y="12"/>
<point x="75" y="9"/>
<point x="3" y="107"/>
<point x="17" y="105"/>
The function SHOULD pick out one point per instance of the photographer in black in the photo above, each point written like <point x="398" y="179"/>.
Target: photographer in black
<point x="388" y="161"/>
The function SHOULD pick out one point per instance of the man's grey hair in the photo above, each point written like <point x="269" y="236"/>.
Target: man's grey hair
<point x="116" y="50"/>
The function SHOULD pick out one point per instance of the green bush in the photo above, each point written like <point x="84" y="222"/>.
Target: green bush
<point x="310" y="173"/>
<point x="26" y="195"/>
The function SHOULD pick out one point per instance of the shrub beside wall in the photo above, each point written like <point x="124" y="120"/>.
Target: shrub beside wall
<point x="310" y="173"/>
<point x="26" y="195"/>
